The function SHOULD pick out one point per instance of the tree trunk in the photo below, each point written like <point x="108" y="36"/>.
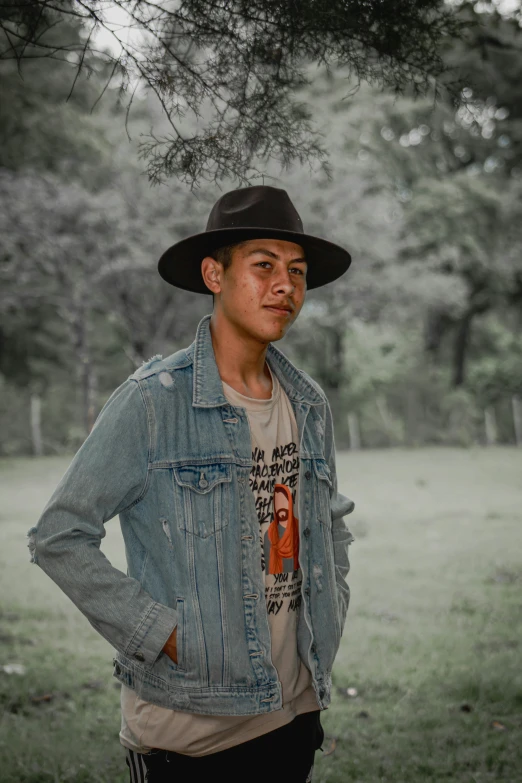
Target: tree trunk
<point x="85" y="375"/>
<point x="337" y="367"/>
<point x="436" y="324"/>
<point x="92" y="389"/>
<point x="88" y="386"/>
<point x="36" y="424"/>
<point x="479" y="302"/>
<point x="461" y="348"/>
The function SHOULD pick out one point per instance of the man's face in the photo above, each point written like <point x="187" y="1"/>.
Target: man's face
<point x="264" y="288"/>
<point x="281" y="508"/>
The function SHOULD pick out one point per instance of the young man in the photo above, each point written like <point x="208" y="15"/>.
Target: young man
<point x="220" y="462"/>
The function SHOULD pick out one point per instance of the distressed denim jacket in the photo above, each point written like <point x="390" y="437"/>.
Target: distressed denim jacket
<point x="171" y="456"/>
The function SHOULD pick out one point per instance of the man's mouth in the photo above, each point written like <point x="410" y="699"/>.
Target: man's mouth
<point x="282" y="310"/>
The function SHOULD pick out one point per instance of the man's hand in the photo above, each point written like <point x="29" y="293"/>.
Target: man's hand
<point x="170" y="646"/>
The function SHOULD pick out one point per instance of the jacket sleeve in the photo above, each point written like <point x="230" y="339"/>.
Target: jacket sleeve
<point x="340" y="506"/>
<point x="108" y="474"/>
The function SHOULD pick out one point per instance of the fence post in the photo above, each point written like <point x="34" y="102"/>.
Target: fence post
<point x="354" y="431"/>
<point x="36" y="424"/>
<point x="490" y="425"/>
<point x="516" y="404"/>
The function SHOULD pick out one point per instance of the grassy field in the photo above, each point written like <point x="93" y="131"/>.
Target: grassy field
<point x="432" y="643"/>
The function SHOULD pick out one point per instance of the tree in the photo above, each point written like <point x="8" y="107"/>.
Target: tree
<point x="489" y="58"/>
<point x="455" y="173"/>
<point x="226" y="73"/>
<point x="88" y="260"/>
<point x="46" y="128"/>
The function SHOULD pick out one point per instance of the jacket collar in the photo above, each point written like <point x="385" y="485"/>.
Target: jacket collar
<point x="207" y="390"/>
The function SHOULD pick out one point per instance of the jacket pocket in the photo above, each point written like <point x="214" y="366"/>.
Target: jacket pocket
<point x="323" y="485"/>
<point x="180" y="665"/>
<point x="202" y="495"/>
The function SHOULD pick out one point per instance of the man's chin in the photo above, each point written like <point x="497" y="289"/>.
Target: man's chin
<point x="270" y="335"/>
<point x="276" y="331"/>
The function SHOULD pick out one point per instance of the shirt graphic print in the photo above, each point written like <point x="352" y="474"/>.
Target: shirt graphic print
<point x="281" y="540"/>
<point x="274" y="483"/>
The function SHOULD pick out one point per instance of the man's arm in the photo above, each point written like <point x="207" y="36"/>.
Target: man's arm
<point x="108" y="474"/>
<point x="340" y="505"/>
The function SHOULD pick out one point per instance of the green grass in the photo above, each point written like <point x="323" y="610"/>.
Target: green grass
<point x="432" y="640"/>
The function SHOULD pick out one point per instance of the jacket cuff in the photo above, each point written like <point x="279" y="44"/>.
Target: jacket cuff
<point x="153" y="631"/>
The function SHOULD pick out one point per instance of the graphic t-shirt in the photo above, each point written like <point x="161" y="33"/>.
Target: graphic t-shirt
<point x="273" y="480"/>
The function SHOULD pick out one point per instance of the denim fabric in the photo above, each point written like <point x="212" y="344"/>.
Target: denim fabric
<point x="171" y="456"/>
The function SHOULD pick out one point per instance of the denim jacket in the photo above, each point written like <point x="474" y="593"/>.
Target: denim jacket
<point x="171" y="456"/>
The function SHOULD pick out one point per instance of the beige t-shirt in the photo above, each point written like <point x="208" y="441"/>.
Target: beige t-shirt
<point x="273" y="479"/>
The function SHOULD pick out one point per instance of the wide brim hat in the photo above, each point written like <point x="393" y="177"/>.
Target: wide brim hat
<point x="256" y="212"/>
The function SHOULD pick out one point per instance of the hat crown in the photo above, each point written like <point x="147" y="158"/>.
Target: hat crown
<point x="257" y="206"/>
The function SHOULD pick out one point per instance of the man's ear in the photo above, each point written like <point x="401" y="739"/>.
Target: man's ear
<point x="211" y="271"/>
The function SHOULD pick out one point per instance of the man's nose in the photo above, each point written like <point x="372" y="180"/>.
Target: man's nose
<point x="284" y="282"/>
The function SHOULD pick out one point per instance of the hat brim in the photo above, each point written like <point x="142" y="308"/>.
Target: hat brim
<point x="180" y="264"/>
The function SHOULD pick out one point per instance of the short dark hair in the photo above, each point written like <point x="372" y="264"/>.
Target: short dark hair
<point x="223" y="255"/>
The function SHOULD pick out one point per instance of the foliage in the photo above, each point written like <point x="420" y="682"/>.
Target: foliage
<point x="43" y="126"/>
<point x="424" y="194"/>
<point x="497" y="370"/>
<point x="225" y="74"/>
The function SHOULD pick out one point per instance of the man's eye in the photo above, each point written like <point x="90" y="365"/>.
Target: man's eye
<point x="297" y="269"/>
<point x="263" y="262"/>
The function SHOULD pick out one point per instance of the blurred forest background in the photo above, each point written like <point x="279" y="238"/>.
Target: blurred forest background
<point x="419" y="343"/>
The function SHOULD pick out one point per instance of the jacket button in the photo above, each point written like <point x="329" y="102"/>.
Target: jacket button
<point x="308" y="475"/>
<point x="139" y="656"/>
<point x="307" y="531"/>
<point x="307" y="591"/>
<point x="314" y="647"/>
<point x="117" y="669"/>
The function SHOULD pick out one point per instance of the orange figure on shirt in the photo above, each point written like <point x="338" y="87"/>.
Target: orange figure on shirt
<point x="286" y="546"/>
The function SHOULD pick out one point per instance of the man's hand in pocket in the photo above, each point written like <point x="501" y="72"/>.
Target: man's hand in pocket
<point x="170" y="646"/>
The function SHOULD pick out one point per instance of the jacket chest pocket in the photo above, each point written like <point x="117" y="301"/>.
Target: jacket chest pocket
<point x="202" y="494"/>
<point x="323" y="488"/>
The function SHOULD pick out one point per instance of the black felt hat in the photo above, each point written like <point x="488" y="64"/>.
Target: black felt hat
<point x="257" y="212"/>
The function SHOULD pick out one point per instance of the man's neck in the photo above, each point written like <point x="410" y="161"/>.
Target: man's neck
<point x="241" y="360"/>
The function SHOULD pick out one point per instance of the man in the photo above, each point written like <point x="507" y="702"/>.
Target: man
<point x="224" y="658"/>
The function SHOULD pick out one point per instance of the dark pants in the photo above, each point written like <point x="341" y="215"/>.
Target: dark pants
<point x="285" y="754"/>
